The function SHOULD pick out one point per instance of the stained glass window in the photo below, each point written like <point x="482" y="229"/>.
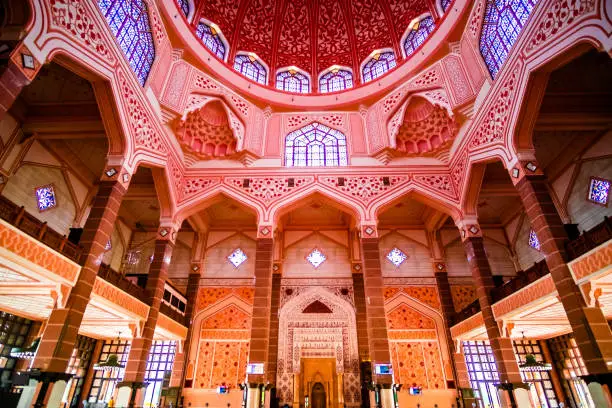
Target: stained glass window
<point x="292" y="81"/>
<point x="336" y="80"/>
<point x="104" y="382"/>
<point x="599" y="191"/>
<point x="482" y="371"/>
<point x="445" y="4"/>
<point x="211" y="39"/>
<point x="129" y="22"/>
<point x="503" y="21"/>
<point x="542" y="390"/>
<point x="418" y="34"/>
<point x="159" y="365"/>
<point x="534" y="242"/>
<point x="45" y="197"/>
<point x="378" y="65"/>
<point x="396" y="257"/>
<point x="108" y="246"/>
<point x="14" y="331"/>
<point x="184" y="6"/>
<point x="237" y="258"/>
<point x="251" y="68"/>
<point x="78" y="365"/>
<point x="315" y="145"/>
<point x="316" y="258"/>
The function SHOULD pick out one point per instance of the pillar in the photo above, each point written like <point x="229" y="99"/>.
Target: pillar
<point x="273" y="336"/>
<point x="59" y="337"/>
<point x="505" y="359"/>
<point x="136" y="366"/>
<point x="378" y="342"/>
<point x="21" y="70"/>
<point x="261" y="318"/>
<point x="589" y="325"/>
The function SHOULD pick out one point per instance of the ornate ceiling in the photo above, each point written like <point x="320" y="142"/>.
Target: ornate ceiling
<point x="312" y="34"/>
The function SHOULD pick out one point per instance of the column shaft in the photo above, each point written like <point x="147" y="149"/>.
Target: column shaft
<point x="262" y="305"/>
<point x="60" y="335"/>
<point x="12" y="81"/>
<point x="156" y="281"/>
<point x="589" y="325"/>
<point x="273" y="337"/>
<point x="502" y="346"/>
<point x="180" y="360"/>
<point x="361" y="317"/>
<point x="378" y="341"/>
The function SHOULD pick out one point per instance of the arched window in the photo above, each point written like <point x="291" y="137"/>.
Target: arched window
<point x="336" y="80"/>
<point x="184" y="6"/>
<point x="503" y="21"/>
<point x="315" y="145"/>
<point x="444" y="4"/>
<point x="129" y="22"/>
<point x="211" y="39"/>
<point x="378" y="65"/>
<point x="291" y="80"/>
<point x="419" y="31"/>
<point x="251" y="68"/>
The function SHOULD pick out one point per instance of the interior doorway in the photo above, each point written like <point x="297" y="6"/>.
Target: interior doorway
<point x="319" y="383"/>
<point x="318" y="396"/>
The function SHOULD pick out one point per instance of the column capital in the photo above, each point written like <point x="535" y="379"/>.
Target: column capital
<point x="439" y="266"/>
<point x="368" y="230"/>
<point x="469" y="228"/>
<point x="167" y="231"/>
<point x="524" y="167"/>
<point x="265" y="230"/>
<point x="116" y="173"/>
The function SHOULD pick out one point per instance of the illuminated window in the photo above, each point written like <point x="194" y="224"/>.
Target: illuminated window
<point x="534" y="242"/>
<point x="14" y="331"/>
<point x="445" y="4"/>
<point x="78" y="365"/>
<point x="396" y="257"/>
<point x="599" y="191"/>
<point x="315" y="145"/>
<point x="237" y="258"/>
<point x="184" y="6"/>
<point x="503" y="21"/>
<point x="542" y="389"/>
<point x="104" y="382"/>
<point x="482" y="371"/>
<point x="45" y="197"/>
<point x="108" y="246"/>
<point x="251" y="68"/>
<point x="418" y="34"/>
<point x="316" y="258"/>
<point x="159" y="365"/>
<point x="336" y="80"/>
<point x="378" y="65"/>
<point x="292" y="81"/>
<point x="211" y="39"/>
<point x="129" y="22"/>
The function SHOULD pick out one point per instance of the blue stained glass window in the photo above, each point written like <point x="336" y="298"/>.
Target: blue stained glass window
<point x="396" y="256"/>
<point x="129" y="22"/>
<point x="292" y="81"/>
<point x="237" y="258"/>
<point x="316" y="258"/>
<point x="184" y="6"/>
<point x="210" y="38"/>
<point x="503" y="22"/>
<point x="336" y="80"/>
<point x="251" y="68"/>
<point x="445" y="4"/>
<point x="378" y="65"/>
<point x="45" y="197"/>
<point x="315" y="145"/>
<point x="599" y="191"/>
<point x="418" y="35"/>
<point x="534" y="242"/>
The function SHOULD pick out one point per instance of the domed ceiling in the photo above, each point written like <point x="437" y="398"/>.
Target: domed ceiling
<point x="312" y="34"/>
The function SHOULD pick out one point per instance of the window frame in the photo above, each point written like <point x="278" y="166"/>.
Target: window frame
<point x="589" y="188"/>
<point x="371" y="57"/>
<point x="329" y="70"/>
<point x="329" y="131"/>
<point x="258" y="60"/>
<point x="219" y="35"/>
<point x="298" y="71"/>
<point x="410" y="31"/>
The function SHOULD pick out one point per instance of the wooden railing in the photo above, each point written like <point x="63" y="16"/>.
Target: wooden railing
<point x="118" y="280"/>
<point x="468" y="311"/>
<point x="590" y="239"/>
<point x="171" y="313"/>
<point x="18" y="217"/>
<point x="521" y="280"/>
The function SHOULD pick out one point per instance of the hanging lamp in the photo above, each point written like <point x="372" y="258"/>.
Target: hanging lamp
<point x="28" y="352"/>
<point x="532" y="365"/>
<point x="111" y="362"/>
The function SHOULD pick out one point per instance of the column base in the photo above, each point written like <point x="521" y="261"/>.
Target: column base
<point x="130" y="394"/>
<point x="600" y="388"/>
<point x="466" y="395"/>
<point x="43" y="389"/>
<point x="514" y="395"/>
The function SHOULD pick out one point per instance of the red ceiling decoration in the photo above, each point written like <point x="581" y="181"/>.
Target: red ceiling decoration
<point x="286" y="32"/>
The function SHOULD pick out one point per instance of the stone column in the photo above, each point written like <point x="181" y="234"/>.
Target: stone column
<point x="589" y="325"/>
<point x="505" y="359"/>
<point x="261" y="318"/>
<point x="59" y="337"/>
<point x="21" y="70"/>
<point x="378" y="342"/>
<point x="273" y="337"/>
<point x="139" y="350"/>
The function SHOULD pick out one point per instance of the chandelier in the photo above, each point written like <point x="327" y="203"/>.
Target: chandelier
<point x="111" y="362"/>
<point x="28" y="352"/>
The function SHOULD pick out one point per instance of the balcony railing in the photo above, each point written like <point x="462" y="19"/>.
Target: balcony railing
<point x="18" y="217"/>
<point x="521" y="280"/>
<point x="118" y="280"/>
<point x="590" y="239"/>
<point x="468" y="311"/>
<point x="171" y="313"/>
